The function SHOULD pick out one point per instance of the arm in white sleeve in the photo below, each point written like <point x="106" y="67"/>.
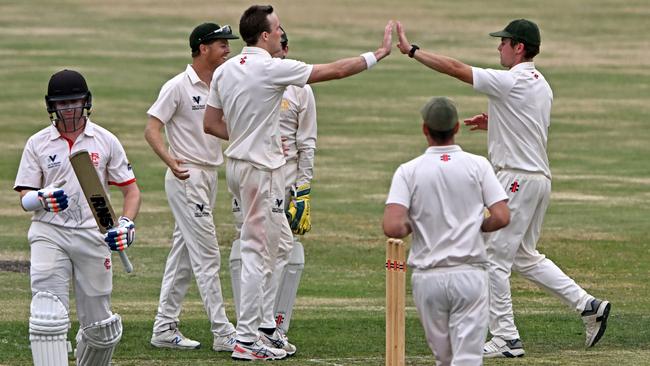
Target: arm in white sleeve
<point x="306" y="136"/>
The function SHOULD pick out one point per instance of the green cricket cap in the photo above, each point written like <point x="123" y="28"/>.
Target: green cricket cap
<point x="521" y="30"/>
<point x="440" y="114"/>
<point x="209" y="31"/>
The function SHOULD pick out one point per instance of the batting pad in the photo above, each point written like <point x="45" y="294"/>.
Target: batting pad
<point x="48" y="329"/>
<point x="96" y="342"/>
<point x="286" y="296"/>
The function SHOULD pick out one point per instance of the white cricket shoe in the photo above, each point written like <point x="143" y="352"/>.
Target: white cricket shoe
<point x="224" y="343"/>
<point x="595" y="320"/>
<point x="173" y="338"/>
<point x="258" y="351"/>
<point x="498" y="347"/>
<point x="279" y="340"/>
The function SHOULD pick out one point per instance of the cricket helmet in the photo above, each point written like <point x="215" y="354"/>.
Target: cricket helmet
<point x="67" y="85"/>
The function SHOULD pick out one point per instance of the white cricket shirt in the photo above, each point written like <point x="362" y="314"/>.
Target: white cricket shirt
<point x="248" y="88"/>
<point x="445" y="191"/>
<point x="519" y="112"/>
<point x="298" y="126"/>
<point x="180" y="106"/>
<point x="45" y="162"/>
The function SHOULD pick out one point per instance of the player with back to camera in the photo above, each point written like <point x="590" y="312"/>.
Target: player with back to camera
<point x="517" y="123"/>
<point x="298" y="130"/>
<point x="65" y="242"/>
<point x="255" y="157"/>
<point x="440" y="198"/>
<point x="191" y="187"/>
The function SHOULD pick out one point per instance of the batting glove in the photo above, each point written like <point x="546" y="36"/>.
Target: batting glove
<point x="49" y="199"/>
<point x="298" y="214"/>
<point x="53" y="199"/>
<point x="122" y="236"/>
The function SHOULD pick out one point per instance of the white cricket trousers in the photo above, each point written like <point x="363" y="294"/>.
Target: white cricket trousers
<point x="261" y="197"/>
<point x="194" y="250"/>
<point x="452" y="303"/>
<point x="290" y="170"/>
<point x="60" y="255"/>
<point x="515" y="248"/>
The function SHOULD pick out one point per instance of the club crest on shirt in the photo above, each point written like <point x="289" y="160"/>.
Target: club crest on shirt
<point x="94" y="158"/>
<point x="235" y="206"/>
<point x="277" y="207"/>
<point x="196" y="103"/>
<point x="52" y="161"/>
<point x="107" y="263"/>
<point x="200" y="210"/>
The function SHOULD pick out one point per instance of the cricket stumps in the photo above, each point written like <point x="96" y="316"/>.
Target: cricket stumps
<point x="395" y="302"/>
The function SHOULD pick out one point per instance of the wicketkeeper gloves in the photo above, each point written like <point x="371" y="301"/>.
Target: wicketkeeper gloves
<point x="121" y="237"/>
<point x="298" y="213"/>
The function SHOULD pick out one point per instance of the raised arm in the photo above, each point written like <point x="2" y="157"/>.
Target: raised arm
<point x="443" y="64"/>
<point x="350" y="66"/>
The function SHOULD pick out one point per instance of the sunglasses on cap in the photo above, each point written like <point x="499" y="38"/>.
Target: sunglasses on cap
<point x="225" y="30"/>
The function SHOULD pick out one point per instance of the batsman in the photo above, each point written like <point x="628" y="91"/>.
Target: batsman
<point x="66" y="245"/>
<point x="298" y="130"/>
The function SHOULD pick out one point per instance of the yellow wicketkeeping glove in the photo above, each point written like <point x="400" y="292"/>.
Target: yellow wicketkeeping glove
<point x="298" y="213"/>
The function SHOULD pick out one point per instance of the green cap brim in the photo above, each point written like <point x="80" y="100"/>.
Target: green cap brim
<point x="501" y="34"/>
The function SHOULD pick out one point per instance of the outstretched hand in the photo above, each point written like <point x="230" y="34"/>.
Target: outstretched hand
<point x="403" y="45"/>
<point x="478" y="122"/>
<point x="387" y="42"/>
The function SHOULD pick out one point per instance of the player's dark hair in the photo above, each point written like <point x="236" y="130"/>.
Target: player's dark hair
<point x="441" y="137"/>
<point x="530" y="51"/>
<point x="197" y="52"/>
<point x="254" y="22"/>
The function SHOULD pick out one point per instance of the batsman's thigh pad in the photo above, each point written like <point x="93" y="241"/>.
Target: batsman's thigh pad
<point x="96" y="342"/>
<point x="235" y="273"/>
<point x="289" y="282"/>
<point x="48" y="329"/>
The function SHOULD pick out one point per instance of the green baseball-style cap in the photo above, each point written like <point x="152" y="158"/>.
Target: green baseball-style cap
<point x="209" y="31"/>
<point x="439" y="114"/>
<point x="521" y="30"/>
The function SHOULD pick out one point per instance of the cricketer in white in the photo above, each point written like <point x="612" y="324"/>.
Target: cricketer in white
<point x="519" y="110"/>
<point x="298" y="130"/>
<point x="243" y="106"/>
<point x="191" y="187"/>
<point x="441" y="197"/>
<point x="65" y="243"/>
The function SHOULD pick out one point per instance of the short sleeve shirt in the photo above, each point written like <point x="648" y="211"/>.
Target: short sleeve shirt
<point x="445" y="191"/>
<point x="519" y="110"/>
<point x="248" y="88"/>
<point x="180" y="107"/>
<point x="45" y="162"/>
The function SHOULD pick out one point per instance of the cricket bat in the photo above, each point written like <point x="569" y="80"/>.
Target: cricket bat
<point x="96" y="196"/>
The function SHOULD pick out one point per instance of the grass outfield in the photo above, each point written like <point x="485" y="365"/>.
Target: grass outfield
<point x="594" y="54"/>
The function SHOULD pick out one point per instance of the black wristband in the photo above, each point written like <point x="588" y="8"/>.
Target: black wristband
<point x="414" y="48"/>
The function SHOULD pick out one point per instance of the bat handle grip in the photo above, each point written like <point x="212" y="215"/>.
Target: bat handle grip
<point x="128" y="267"/>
